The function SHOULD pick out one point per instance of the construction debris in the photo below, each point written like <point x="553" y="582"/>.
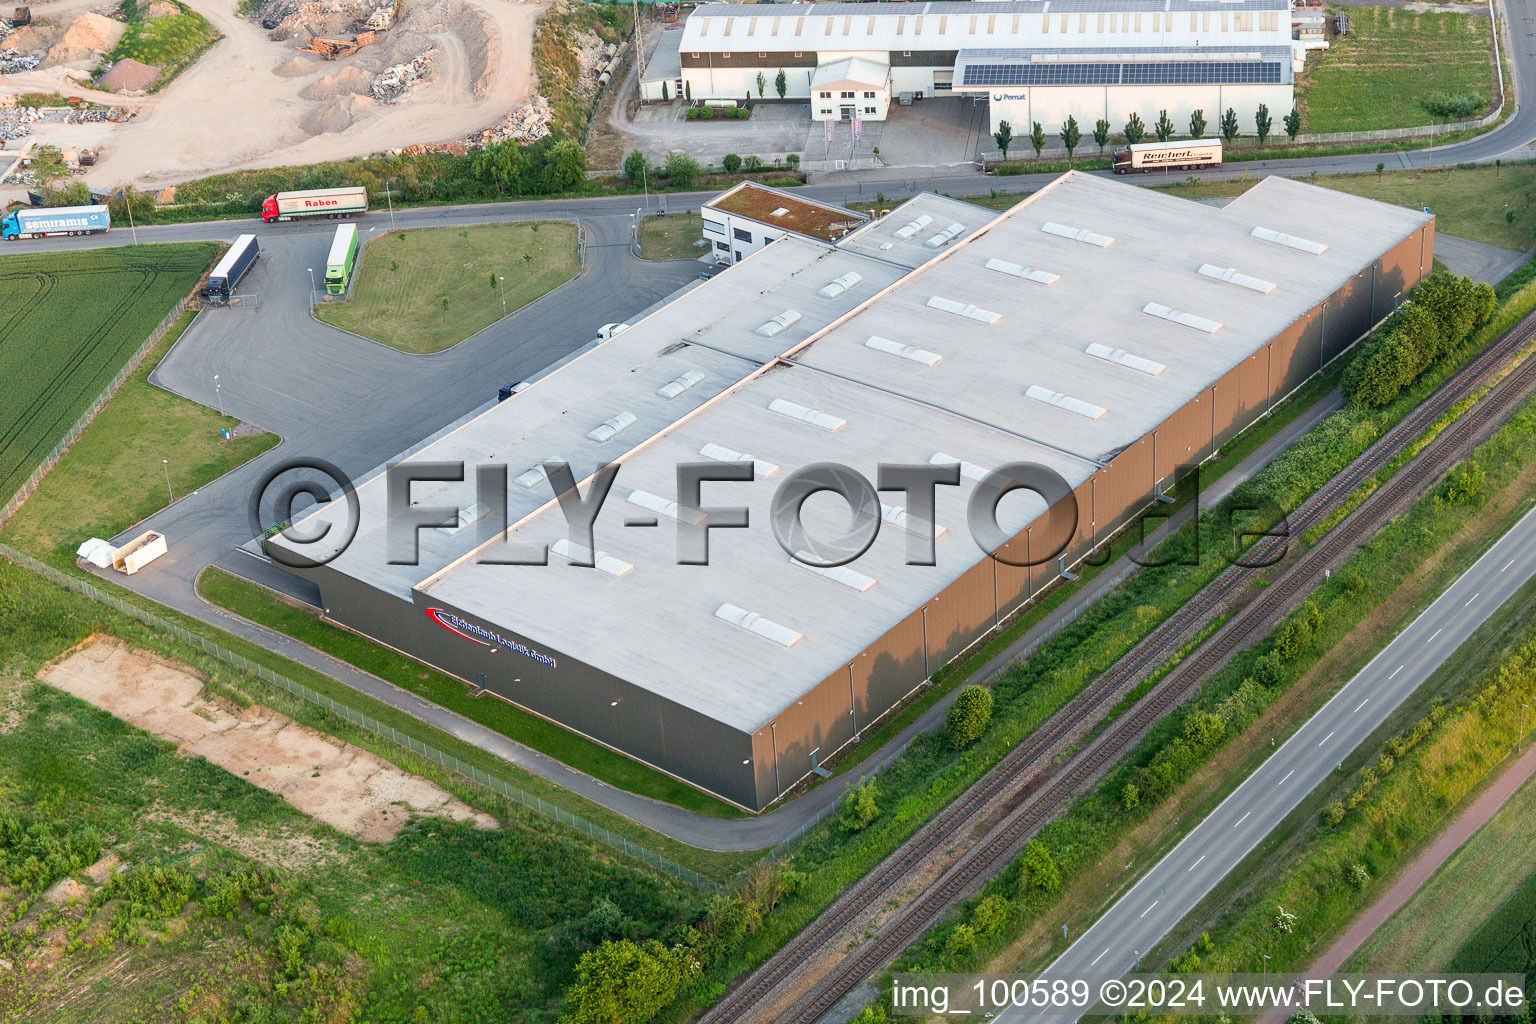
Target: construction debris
<point x="394" y="83"/>
<point x="528" y="123"/>
<point x="14" y="62"/>
<point x="383" y="17"/>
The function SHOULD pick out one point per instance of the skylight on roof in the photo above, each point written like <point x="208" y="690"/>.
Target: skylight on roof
<point x="967" y="469"/>
<point x="908" y="230"/>
<point x="537" y="475"/>
<point x="781" y="211"/>
<point x="1050" y="227"/>
<point x="1293" y="241"/>
<point x="671" y="509"/>
<point x="786" y="319"/>
<point x="1019" y="270"/>
<point x="601" y="560"/>
<point x="900" y="518"/>
<point x="964" y="309"/>
<point x="720" y="453"/>
<point x="1063" y="401"/>
<point x="815" y="417"/>
<point x="896" y="348"/>
<point x="677" y="385"/>
<point x="1124" y="358"/>
<point x="838" y="285"/>
<point x="612" y="427"/>
<point x="946" y="236"/>
<point x="1178" y="316"/>
<point x="1230" y="275"/>
<point x="753" y="622"/>
<point x="839" y="573"/>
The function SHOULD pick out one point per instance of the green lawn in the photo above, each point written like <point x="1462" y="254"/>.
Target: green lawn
<point x="261" y="605"/>
<point x="238" y="907"/>
<point x="113" y="476"/>
<point x="672" y="237"/>
<point x="1471" y="202"/>
<point x="1392" y="60"/>
<point x="170" y="42"/>
<point x="1463" y="894"/>
<point x="68" y="323"/>
<point x="426" y="290"/>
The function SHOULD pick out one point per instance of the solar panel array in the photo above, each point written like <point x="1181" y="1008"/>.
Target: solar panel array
<point x="1183" y="72"/>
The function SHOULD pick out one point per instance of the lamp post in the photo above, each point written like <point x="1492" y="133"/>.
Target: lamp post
<point x="217" y="394"/>
<point x="389" y="197"/>
<point x="166" y="465"/>
<point x="311" y="289"/>
<point x="503" y="289"/>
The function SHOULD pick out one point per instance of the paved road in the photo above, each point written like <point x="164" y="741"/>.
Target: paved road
<point x="1168" y="892"/>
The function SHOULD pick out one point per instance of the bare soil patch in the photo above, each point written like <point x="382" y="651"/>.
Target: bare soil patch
<point x="334" y="782"/>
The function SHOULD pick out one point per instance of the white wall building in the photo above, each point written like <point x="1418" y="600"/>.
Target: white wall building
<point x="1037" y="60"/>
<point x="748" y="216"/>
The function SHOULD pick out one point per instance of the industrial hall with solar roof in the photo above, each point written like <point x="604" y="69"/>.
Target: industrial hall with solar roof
<point x="1043" y="60"/>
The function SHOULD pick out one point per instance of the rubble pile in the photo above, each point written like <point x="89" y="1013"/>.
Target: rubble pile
<point x="16" y="122"/>
<point x="14" y="62"/>
<point x="422" y="148"/>
<point x="393" y="83"/>
<point x="528" y="123"/>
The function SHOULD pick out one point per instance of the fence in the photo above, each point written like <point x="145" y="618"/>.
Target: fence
<point x="84" y="421"/>
<point x="373" y="725"/>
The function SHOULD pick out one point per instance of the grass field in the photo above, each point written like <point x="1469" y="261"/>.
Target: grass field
<point x="171" y="42"/>
<point x="1392" y="60"/>
<point x="68" y="323"/>
<point x="1461" y="897"/>
<point x="1506" y="944"/>
<point x="113" y="477"/>
<point x="233" y="906"/>
<point x="427" y="290"/>
<point x="1470" y="202"/>
<point x="672" y="237"/>
<point x="260" y="605"/>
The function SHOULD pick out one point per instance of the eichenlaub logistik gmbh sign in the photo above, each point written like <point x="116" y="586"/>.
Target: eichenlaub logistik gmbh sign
<point x="485" y="637"/>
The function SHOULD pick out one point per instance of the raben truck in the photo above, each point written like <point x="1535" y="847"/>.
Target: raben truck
<point x="227" y="274"/>
<point x="315" y="202"/>
<point x="60" y="220"/>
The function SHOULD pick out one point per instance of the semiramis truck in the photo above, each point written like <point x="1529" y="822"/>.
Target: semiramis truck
<point x="227" y="273"/>
<point x="59" y="220"/>
<point x="315" y="202"/>
<point x="1189" y="155"/>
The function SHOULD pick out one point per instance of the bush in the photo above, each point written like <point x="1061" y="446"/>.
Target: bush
<point x="754" y="163"/>
<point x="793" y="159"/>
<point x="681" y="169"/>
<point x="860" y="806"/>
<point x="968" y="716"/>
<point x="990" y="916"/>
<point x="1039" y="870"/>
<point x="1450" y="105"/>
<point x="731" y="162"/>
<point x="692" y="113"/>
<point x="635" y="167"/>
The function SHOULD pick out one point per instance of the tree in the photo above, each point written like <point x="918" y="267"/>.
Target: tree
<point x="688" y="90"/>
<point x="1039" y="870"/>
<point x="1262" y="122"/>
<point x="1130" y="796"/>
<point x="762" y="85"/>
<point x="623" y="982"/>
<point x="990" y="916"/>
<point x="793" y="159"/>
<point x="1197" y="125"/>
<point x="664" y="97"/>
<point x="968" y="716"/>
<point x="860" y="805"/>
<point x="1101" y="134"/>
<point x="1135" y="130"/>
<point x="47" y="165"/>
<point x="501" y="164"/>
<point x="125" y="197"/>
<point x="635" y="167"/>
<point x="566" y="166"/>
<point x="781" y="83"/>
<point x="1003" y="137"/>
<point x="1292" y="123"/>
<point x="1229" y="127"/>
<point x="961" y="942"/>
<point x="1071" y="135"/>
<point x="76" y="193"/>
<point x="1037" y="138"/>
<point x="731" y="162"/>
<point x="681" y="169"/>
<point x="1163" y="127"/>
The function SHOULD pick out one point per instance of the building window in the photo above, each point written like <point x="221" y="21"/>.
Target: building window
<point x="722" y="247"/>
<point x="869" y="110"/>
<point x="847" y="95"/>
<point x="745" y="236"/>
<point x="939" y="86"/>
<point x="797" y="53"/>
<point x="826" y="95"/>
<point x="696" y="56"/>
<point x="904" y="53"/>
<point x="761" y="55"/>
<point x="714" y="227"/>
<point x="869" y="95"/>
<point x="726" y="55"/>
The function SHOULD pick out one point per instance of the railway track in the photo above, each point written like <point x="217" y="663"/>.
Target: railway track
<point x="1021" y="776"/>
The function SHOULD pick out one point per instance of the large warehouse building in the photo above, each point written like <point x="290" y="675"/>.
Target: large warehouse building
<point x="1110" y="333"/>
<point x="1039" y="60"/>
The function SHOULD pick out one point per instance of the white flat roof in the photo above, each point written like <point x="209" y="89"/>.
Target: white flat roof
<point x="1060" y="336"/>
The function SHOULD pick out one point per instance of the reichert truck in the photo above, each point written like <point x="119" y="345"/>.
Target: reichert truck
<point x="227" y="273"/>
<point x="60" y="220"/>
<point x="1168" y="156"/>
<point x="316" y="202"/>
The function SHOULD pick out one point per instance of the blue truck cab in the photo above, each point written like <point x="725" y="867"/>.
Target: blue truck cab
<point x="59" y="220"/>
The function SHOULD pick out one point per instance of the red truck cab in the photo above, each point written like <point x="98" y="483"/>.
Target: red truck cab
<point x="269" y="209"/>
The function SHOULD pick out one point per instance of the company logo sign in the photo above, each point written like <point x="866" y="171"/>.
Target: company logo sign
<point x="311" y="204"/>
<point x="65" y="222"/>
<point x="485" y="637"/>
<point x="999" y="97"/>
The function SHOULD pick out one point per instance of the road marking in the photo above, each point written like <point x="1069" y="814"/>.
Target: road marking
<point x="1144" y="913"/>
<point x="1362" y="704"/>
<point x="1508" y="564"/>
<point x="1434" y="634"/>
<point x="1287" y="775"/>
<point x="1191" y="868"/>
<point x="1243" y="818"/>
<point x="1472" y="598"/>
<point x="1099" y="957"/>
<point x="1327" y="738"/>
<point x="1394" y="673"/>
